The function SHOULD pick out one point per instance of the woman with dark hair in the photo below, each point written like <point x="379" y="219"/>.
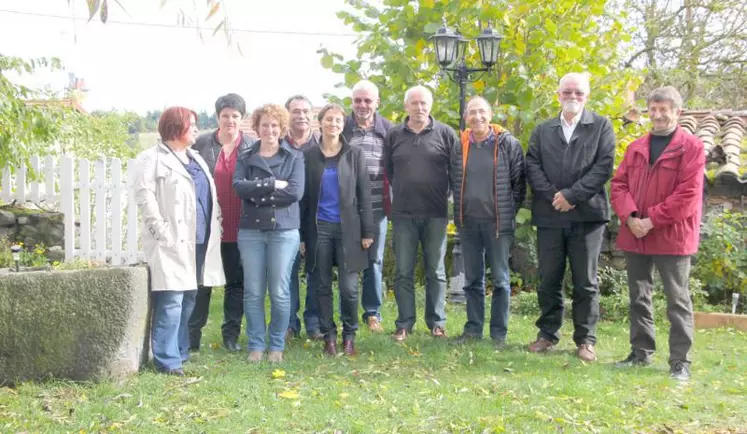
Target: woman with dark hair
<point x="337" y="226"/>
<point x="181" y="238"/>
<point x="269" y="179"/>
<point x="220" y="149"/>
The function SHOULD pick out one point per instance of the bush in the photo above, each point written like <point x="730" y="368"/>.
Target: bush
<point x="721" y="262"/>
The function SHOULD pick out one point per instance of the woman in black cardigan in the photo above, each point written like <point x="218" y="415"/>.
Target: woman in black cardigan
<point x="337" y="225"/>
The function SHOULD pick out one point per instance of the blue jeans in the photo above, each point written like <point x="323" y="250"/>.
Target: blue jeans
<point x="169" y="331"/>
<point x="478" y="241"/>
<point x="372" y="285"/>
<point x="311" y="308"/>
<point x="410" y="232"/>
<point x="267" y="258"/>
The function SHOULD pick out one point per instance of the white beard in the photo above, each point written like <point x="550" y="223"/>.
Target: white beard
<point x="572" y="107"/>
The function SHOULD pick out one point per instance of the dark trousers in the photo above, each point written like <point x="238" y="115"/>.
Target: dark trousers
<point x="430" y="233"/>
<point x="233" y="299"/>
<point x="581" y="244"/>
<point x="329" y="251"/>
<point x="479" y="241"/>
<point x="675" y="274"/>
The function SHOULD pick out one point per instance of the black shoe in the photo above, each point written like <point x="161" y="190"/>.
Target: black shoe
<point x="179" y="372"/>
<point x="231" y="345"/>
<point x="466" y="338"/>
<point x="679" y="371"/>
<point x="632" y="360"/>
<point x="499" y="343"/>
<point x="194" y="348"/>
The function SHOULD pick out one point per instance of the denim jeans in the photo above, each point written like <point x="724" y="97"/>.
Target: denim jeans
<point x="479" y="241"/>
<point x="329" y="251"/>
<point x="267" y="257"/>
<point x="169" y="334"/>
<point x="580" y="244"/>
<point x="409" y="232"/>
<point x="311" y="309"/>
<point x="372" y="292"/>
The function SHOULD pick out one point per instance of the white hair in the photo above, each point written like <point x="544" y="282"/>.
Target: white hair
<point x="422" y="89"/>
<point x="582" y="78"/>
<point x="367" y="86"/>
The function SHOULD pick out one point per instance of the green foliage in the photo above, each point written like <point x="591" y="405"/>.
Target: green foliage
<point x="542" y="40"/>
<point x="103" y="134"/>
<point x="721" y="262"/>
<point x="31" y="256"/>
<point x="25" y="130"/>
<point x="38" y="129"/>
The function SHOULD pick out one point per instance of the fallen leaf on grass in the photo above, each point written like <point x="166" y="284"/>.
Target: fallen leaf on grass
<point x="289" y="394"/>
<point x="278" y="373"/>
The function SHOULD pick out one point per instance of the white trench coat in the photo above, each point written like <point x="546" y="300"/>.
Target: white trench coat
<point x="165" y="194"/>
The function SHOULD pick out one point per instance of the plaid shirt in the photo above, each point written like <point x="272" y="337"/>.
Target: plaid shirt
<point x="230" y="203"/>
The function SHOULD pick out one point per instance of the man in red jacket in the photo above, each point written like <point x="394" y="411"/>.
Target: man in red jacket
<point x="658" y="192"/>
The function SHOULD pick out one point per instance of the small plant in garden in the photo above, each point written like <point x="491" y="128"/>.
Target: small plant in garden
<point x="721" y="262"/>
<point x="34" y="257"/>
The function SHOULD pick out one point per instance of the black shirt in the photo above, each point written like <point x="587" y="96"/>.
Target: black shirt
<point x="658" y="143"/>
<point x="479" y="195"/>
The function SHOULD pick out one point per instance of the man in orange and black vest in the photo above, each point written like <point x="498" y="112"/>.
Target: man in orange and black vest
<point x="489" y="190"/>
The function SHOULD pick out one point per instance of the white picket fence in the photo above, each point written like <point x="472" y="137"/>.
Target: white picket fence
<point x="65" y="179"/>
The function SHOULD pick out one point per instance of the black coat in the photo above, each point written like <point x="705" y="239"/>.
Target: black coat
<point x="209" y="148"/>
<point x="356" y="215"/>
<point x="579" y="169"/>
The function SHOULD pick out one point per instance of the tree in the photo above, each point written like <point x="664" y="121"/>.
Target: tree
<point x="25" y="130"/>
<point x="215" y="8"/>
<point x="542" y="40"/>
<point x="698" y="46"/>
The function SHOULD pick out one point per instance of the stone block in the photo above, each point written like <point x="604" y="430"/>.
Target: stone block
<point x="79" y="325"/>
<point x="7" y="218"/>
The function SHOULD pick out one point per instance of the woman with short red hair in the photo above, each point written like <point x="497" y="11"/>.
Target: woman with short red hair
<point x="176" y="196"/>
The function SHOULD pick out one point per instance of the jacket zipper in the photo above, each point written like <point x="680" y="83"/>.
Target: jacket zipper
<point x="646" y="178"/>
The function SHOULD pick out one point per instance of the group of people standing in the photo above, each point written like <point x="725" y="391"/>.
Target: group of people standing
<point x="223" y="209"/>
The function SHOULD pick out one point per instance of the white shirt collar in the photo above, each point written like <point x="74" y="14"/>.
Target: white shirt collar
<point x="574" y="121"/>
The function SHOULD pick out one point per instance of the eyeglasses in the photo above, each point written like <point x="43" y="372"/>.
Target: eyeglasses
<point x="572" y="92"/>
<point x="360" y="100"/>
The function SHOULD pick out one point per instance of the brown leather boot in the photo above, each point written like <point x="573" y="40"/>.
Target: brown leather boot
<point x="330" y="348"/>
<point x="586" y="352"/>
<point x="541" y="345"/>
<point x="349" y="347"/>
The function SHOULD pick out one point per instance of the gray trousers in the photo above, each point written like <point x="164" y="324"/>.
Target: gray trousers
<point x="675" y="273"/>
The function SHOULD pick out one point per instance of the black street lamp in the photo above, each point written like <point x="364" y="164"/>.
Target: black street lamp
<point x="450" y="50"/>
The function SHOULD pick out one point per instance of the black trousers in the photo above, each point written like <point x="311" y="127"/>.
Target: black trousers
<point x="329" y="251"/>
<point x="233" y="299"/>
<point x="580" y="244"/>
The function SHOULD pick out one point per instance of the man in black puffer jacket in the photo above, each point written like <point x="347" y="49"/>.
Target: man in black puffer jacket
<point x="490" y="187"/>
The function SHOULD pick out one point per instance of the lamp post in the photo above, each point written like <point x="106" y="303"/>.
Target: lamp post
<point x="450" y="50"/>
<point x="15" y="250"/>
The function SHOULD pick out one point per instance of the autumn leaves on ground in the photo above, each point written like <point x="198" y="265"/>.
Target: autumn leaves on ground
<point x="421" y="386"/>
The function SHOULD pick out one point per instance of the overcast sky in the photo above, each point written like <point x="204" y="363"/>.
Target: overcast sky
<point x="145" y="67"/>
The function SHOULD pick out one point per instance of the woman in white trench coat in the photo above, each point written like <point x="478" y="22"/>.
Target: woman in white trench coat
<point x="182" y="232"/>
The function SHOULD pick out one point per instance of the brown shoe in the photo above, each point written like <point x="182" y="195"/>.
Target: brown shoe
<point x="255" y="356"/>
<point x="275" y="356"/>
<point x="586" y="352"/>
<point x="438" y="332"/>
<point x="374" y="324"/>
<point x="540" y="345"/>
<point x="330" y="348"/>
<point x="349" y="347"/>
<point x="400" y="335"/>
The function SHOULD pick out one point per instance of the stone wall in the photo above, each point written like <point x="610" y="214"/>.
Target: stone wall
<point x="32" y="227"/>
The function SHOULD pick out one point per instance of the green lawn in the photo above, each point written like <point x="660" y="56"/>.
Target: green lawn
<point x="423" y="386"/>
